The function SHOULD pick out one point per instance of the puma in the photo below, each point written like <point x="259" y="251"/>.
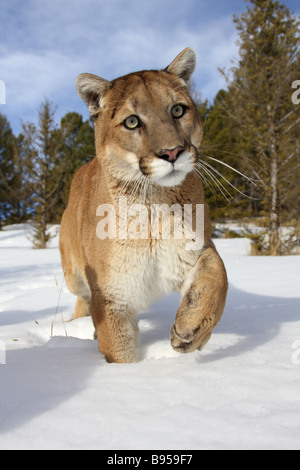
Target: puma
<point x="147" y="135"/>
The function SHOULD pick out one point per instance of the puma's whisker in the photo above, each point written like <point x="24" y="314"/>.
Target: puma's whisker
<point x="217" y="172"/>
<point x="231" y="168"/>
<point x="215" y="180"/>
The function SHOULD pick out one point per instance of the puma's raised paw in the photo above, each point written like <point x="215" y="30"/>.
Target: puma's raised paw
<point x="189" y="340"/>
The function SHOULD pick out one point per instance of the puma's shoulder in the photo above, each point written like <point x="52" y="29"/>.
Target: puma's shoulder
<point x="79" y="177"/>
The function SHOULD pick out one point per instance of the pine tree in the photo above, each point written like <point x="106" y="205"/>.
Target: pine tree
<point x="13" y="189"/>
<point x="6" y="168"/>
<point x="54" y="154"/>
<point x="221" y="161"/>
<point x="42" y="145"/>
<point x="77" y="147"/>
<point x="259" y="101"/>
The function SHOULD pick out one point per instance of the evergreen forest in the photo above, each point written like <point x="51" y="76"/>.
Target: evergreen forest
<point x="249" y="159"/>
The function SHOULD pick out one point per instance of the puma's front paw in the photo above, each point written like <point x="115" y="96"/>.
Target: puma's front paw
<point x="188" y="340"/>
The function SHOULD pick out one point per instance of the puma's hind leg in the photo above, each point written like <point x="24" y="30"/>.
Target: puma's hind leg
<point x="82" y="308"/>
<point x="78" y="285"/>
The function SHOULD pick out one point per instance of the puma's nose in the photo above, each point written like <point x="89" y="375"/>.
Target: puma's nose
<point x="171" y="155"/>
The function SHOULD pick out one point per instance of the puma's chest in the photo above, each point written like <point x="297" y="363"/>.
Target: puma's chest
<point x="145" y="272"/>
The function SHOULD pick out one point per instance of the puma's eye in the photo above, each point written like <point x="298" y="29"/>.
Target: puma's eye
<point x="132" y="122"/>
<point x="178" y="111"/>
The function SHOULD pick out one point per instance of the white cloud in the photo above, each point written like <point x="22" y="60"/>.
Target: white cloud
<point x="147" y="47"/>
<point x="30" y="78"/>
<point x="55" y="41"/>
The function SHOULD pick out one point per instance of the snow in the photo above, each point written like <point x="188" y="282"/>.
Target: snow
<point x="57" y="392"/>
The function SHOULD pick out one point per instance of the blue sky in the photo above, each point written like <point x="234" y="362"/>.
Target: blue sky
<point x="45" y="44"/>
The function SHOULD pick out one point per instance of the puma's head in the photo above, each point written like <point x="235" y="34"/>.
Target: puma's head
<point x="146" y="122"/>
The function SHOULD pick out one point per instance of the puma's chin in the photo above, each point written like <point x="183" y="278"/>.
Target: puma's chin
<point x="174" y="178"/>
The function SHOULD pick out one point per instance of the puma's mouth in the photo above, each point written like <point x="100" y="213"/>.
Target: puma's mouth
<point x="165" y="173"/>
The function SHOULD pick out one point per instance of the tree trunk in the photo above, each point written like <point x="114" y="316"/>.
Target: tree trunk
<point x="274" y="236"/>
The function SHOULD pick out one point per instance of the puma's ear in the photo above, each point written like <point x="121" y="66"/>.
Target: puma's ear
<point x="184" y="65"/>
<point x="91" y="88"/>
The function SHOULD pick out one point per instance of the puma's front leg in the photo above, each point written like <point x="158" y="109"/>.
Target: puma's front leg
<point x="116" y="329"/>
<point x="202" y="305"/>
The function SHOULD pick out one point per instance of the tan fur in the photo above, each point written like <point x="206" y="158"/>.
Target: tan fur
<point x="114" y="279"/>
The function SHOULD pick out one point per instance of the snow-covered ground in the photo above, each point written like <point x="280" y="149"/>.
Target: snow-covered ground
<point x="57" y="392"/>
